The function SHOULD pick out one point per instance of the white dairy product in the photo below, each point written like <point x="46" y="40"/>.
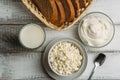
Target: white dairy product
<point x="65" y="58"/>
<point x="96" y="31"/>
<point x="32" y="36"/>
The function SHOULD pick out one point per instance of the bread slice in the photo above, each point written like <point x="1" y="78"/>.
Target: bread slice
<point x="76" y="7"/>
<point x="88" y="0"/>
<point x="69" y="10"/>
<point x="82" y="3"/>
<point x="61" y="13"/>
<point x="35" y="10"/>
<point x="48" y="8"/>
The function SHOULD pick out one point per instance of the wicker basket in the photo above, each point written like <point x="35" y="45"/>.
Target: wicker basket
<point x="38" y="14"/>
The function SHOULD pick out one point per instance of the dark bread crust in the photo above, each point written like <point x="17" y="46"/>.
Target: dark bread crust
<point x="61" y="12"/>
<point x="88" y="1"/>
<point x="48" y="8"/>
<point x="69" y="10"/>
<point x="82" y="3"/>
<point x="77" y="8"/>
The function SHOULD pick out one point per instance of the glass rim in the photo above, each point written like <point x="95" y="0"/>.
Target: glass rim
<point x="113" y="26"/>
<point x="26" y="46"/>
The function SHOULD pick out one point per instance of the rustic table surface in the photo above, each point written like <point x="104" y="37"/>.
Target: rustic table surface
<point x="19" y="63"/>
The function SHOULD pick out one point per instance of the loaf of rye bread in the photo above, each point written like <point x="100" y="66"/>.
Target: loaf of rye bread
<point x="60" y="11"/>
<point x="58" y="14"/>
<point x="48" y="9"/>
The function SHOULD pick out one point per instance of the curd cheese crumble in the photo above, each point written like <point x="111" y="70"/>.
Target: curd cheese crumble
<point x="65" y="58"/>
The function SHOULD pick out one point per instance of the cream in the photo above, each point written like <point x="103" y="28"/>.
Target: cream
<point x="96" y="31"/>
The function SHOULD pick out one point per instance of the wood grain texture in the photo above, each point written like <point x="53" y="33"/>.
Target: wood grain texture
<point x="15" y="65"/>
<point x="109" y="7"/>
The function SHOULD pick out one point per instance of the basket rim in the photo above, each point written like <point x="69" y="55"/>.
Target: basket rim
<point x="38" y="14"/>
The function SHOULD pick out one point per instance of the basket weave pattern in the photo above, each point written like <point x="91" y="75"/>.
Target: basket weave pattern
<point x="38" y="14"/>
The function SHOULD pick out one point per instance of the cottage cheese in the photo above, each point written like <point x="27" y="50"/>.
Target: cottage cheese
<point x="65" y="58"/>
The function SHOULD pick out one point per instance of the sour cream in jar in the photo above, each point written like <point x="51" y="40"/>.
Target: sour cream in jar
<point x="96" y="31"/>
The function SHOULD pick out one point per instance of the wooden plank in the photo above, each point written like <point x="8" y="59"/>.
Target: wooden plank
<point x="14" y="12"/>
<point x="107" y="71"/>
<point x="109" y="7"/>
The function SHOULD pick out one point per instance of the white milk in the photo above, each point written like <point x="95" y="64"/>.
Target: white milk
<point x="32" y="36"/>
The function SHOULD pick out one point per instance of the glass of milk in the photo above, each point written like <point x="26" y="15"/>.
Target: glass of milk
<point x="32" y="36"/>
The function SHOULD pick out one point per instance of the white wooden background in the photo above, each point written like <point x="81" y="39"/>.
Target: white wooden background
<point x="21" y="67"/>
